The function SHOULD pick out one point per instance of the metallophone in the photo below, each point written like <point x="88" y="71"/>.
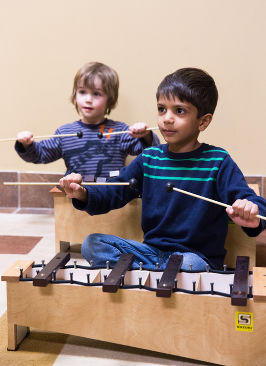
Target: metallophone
<point x="212" y="316"/>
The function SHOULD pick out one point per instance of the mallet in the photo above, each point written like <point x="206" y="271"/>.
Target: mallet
<point x="101" y="134"/>
<point x="170" y="187"/>
<point x="78" y="134"/>
<point x="132" y="183"/>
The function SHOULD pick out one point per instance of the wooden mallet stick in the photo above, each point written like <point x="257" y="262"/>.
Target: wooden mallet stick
<point x="132" y="183"/>
<point x="170" y="187"/>
<point x="78" y="134"/>
<point x="101" y="134"/>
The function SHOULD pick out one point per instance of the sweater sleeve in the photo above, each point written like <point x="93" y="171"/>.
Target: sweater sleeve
<point x="155" y="140"/>
<point x="134" y="146"/>
<point x="231" y="185"/>
<point x="42" y="152"/>
<point x="102" y="199"/>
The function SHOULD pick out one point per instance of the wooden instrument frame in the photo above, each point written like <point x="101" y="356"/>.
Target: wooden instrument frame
<point x="201" y="327"/>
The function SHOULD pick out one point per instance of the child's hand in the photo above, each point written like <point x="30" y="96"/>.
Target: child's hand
<point x="243" y="213"/>
<point x="72" y="186"/>
<point x="25" y="138"/>
<point x="139" y="130"/>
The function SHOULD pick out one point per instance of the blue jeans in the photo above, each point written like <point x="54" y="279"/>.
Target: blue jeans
<point x="100" y="248"/>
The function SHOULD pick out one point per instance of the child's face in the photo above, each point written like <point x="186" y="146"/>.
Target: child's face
<point x="92" y="103"/>
<point x="179" y="124"/>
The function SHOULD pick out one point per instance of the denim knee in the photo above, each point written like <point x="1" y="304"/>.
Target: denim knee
<point x="88" y="247"/>
<point x="193" y="261"/>
<point x="101" y="248"/>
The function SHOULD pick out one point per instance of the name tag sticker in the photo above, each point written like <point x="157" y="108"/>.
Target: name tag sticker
<point x="244" y="322"/>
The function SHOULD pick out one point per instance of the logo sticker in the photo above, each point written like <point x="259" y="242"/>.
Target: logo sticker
<point x="244" y="322"/>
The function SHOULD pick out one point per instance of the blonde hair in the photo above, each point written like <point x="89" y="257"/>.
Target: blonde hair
<point x="108" y="76"/>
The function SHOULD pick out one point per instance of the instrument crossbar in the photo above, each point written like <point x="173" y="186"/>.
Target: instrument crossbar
<point x="45" y="275"/>
<point x="240" y="285"/>
<point x="167" y="282"/>
<point x="112" y="282"/>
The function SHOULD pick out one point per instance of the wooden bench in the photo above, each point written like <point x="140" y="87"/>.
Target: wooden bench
<point x="73" y="225"/>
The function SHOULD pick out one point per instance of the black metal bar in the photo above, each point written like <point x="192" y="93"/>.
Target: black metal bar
<point x="45" y="275"/>
<point x="112" y="282"/>
<point x="240" y="285"/>
<point x="167" y="283"/>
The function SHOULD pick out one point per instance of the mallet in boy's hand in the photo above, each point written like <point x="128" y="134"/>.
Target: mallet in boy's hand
<point x="132" y="183"/>
<point x="170" y="187"/>
<point x="101" y="134"/>
<point x="79" y="134"/>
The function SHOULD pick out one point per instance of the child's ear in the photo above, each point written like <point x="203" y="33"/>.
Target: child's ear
<point x="205" y="121"/>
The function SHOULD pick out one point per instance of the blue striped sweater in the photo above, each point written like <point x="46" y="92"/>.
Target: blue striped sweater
<point x="175" y="221"/>
<point x="88" y="155"/>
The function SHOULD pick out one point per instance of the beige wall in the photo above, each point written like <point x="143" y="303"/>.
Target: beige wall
<point x="43" y="43"/>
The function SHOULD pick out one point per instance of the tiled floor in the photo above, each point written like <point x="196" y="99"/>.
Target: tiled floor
<point x="27" y="210"/>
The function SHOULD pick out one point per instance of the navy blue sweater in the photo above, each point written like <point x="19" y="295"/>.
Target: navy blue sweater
<point x="88" y="155"/>
<point x="175" y="221"/>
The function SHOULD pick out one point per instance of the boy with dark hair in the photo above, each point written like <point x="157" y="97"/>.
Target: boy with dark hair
<point x="174" y="222"/>
<point x="94" y="95"/>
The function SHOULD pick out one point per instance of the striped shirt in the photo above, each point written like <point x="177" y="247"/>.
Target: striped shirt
<point x="88" y="155"/>
<point x="173" y="221"/>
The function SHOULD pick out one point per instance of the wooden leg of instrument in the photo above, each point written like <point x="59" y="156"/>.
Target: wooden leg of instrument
<point x="16" y="334"/>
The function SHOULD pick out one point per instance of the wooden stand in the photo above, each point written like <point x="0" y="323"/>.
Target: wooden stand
<point x="201" y="327"/>
<point x="74" y="226"/>
<point x="238" y="243"/>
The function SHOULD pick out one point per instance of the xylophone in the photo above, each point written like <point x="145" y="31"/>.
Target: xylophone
<point x="213" y="316"/>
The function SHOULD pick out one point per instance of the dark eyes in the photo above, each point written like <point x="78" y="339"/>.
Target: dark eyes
<point x="161" y="109"/>
<point x="178" y="110"/>
<point x="84" y="91"/>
